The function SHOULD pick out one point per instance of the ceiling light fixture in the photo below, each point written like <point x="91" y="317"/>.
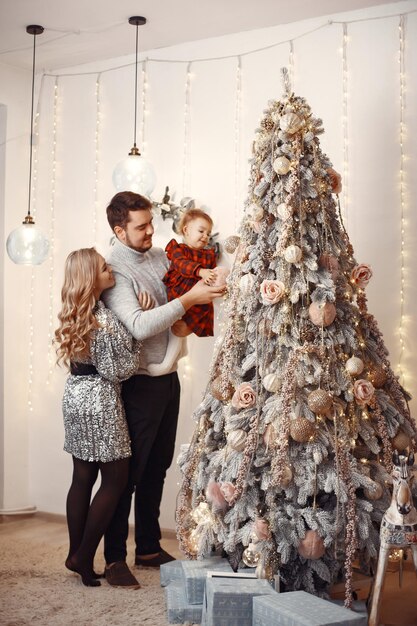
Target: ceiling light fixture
<point x="27" y="244"/>
<point x="135" y="173"/>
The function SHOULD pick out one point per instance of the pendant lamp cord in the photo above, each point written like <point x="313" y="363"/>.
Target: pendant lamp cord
<point x="136" y="85"/>
<point x="31" y="121"/>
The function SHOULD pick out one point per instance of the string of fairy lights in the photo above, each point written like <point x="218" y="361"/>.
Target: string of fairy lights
<point x="144" y="93"/>
<point x="96" y="160"/>
<point x="238" y="112"/>
<point x="186" y="148"/>
<point x="33" y="272"/>
<point x="51" y="317"/>
<point x="291" y="65"/>
<point x="345" y="127"/>
<point x="186" y="156"/>
<point x="401" y="62"/>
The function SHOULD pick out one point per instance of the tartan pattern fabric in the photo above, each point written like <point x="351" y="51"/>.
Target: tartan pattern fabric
<point x="181" y="276"/>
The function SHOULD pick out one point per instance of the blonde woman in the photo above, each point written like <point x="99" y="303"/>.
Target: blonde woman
<point x="100" y="353"/>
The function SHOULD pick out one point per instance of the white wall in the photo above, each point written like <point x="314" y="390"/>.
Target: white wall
<point x="15" y="122"/>
<point x="215" y="175"/>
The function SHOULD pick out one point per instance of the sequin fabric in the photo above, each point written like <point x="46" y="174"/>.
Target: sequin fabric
<point x="94" y="419"/>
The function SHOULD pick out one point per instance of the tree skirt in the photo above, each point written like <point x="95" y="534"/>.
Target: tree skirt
<point x="36" y="589"/>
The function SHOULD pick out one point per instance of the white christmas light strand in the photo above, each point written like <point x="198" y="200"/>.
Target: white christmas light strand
<point x="345" y="127"/>
<point x="96" y="160"/>
<point x="186" y="149"/>
<point x="31" y="336"/>
<point x="33" y="273"/>
<point x="238" y="111"/>
<point x="291" y="69"/>
<point x="249" y="52"/>
<point x="401" y="59"/>
<point x="144" y="105"/>
<point x="52" y="237"/>
<point x="109" y="27"/>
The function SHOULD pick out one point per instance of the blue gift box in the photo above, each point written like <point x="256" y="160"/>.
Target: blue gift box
<point x="228" y="601"/>
<point x="298" y="608"/>
<point x="178" y="609"/>
<point x="170" y="572"/>
<point x="195" y="575"/>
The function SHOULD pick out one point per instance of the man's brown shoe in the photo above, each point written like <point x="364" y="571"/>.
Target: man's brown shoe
<point x="119" y="575"/>
<point x="155" y="561"/>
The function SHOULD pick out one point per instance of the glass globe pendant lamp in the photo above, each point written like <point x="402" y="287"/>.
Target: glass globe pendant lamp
<point x="27" y="244"/>
<point x="135" y="173"/>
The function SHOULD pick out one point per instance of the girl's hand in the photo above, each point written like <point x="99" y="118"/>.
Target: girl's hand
<point x="146" y="302"/>
<point x="209" y="276"/>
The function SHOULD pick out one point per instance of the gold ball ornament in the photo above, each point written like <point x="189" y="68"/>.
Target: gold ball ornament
<point x="375" y="493"/>
<point x="272" y="382"/>
<point x="236" y="439"/>
<point x="201" y="513"/>
<point x="354" y="366"/>
<point x="377" y="376"/>
<point x="319" y="401"/>
<point x="293" y="254"/>
<point x="312" y="546"/>
<point x="302" y="430"/>
<point x="246" y="284"/>
<point x="231" y="244"/>
<point x="291" y="123"/>
<point x="256" y="212"/>
<point x="401" y="441"/>
<point x="281" y="165"/>
<point x="322" y="313"/>
<point x="284" y="211"/>
<point x="221" y="391"/>
<point x="251" y="556"/>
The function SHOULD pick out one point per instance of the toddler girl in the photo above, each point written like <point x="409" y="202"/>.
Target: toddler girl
<point x="192" y="261"/>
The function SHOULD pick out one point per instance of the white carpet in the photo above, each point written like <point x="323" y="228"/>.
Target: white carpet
<point x="36" y="589"/>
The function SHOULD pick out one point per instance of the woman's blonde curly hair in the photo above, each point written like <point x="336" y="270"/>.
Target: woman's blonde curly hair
<point x="76" y="318"/>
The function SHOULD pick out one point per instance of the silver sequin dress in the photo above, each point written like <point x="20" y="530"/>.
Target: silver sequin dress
<point x="94" y="419"/>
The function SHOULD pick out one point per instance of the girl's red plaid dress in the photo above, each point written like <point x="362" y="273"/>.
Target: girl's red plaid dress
<point x="182" y="275"/>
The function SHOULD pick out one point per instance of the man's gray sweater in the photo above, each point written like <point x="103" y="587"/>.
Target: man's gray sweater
<point x="138" y="272"/>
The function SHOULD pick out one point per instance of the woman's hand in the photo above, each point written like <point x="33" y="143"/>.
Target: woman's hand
<point x="146" y="302"/>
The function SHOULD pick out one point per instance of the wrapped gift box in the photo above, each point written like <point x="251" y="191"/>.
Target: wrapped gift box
<point x="228" y="601"/>
<point x="298" y="608"/>
<point x="170" y="572"/>
<point x="178" y="609"/>
<point x="195" y="575"/>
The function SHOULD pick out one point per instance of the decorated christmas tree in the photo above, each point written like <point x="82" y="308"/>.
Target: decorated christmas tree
<point x="289" y="464"/>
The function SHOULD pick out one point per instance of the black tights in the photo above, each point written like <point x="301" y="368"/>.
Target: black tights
<point x="88" y="522"/>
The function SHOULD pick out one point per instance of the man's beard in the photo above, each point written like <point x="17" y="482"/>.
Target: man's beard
<point x="137" y="248"/>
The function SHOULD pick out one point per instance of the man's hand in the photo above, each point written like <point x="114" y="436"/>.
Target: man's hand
<point x="146" y="302"/>
<point x="201" y="294"/>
